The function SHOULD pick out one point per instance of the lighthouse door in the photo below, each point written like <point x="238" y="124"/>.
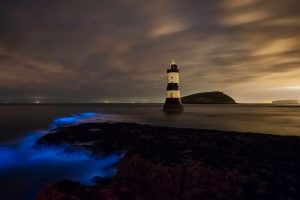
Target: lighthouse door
<point x="171" y="95"/>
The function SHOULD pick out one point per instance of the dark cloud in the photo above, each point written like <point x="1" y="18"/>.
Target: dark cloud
<point x="119" y="50"/>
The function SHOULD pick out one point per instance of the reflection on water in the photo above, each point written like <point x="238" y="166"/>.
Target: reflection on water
<point x="26" y="169"/>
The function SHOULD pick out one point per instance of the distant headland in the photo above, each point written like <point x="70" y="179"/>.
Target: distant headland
<point x="285" y="102"/>
<point x="215" y="97"/>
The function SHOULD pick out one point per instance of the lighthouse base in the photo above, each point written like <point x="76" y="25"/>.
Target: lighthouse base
<point x="173" y="105"/>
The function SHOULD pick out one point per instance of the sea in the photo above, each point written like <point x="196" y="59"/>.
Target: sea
<point x="17" y="120"/>
<point x="26" y="170"/>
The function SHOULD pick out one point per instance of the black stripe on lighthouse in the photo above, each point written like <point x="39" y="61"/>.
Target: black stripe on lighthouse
<point x="173" y="101"/>
<point x="173" y="86"/>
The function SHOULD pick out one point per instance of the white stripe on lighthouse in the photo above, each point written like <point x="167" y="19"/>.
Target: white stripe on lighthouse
<point x="173" y="77"/>
<point x="173" y="93"/>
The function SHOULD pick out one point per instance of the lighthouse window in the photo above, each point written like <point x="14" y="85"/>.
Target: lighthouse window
<point x="171" y="77"/>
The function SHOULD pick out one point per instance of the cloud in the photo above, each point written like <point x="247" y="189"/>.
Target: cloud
<point x="238" y="3"/>
<point x="21" y="68"/>
<point x="106" y="50"/>
<point x="168" y="29"/>
<point x="278" y="46"/>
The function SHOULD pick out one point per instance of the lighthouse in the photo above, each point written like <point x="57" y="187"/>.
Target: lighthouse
<point x="173" y="101"/>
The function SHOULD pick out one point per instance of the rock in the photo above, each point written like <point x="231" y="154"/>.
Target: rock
<point x="68" y="190"/>
<point x="208" y="98"/>
<point x="182" y="164"/>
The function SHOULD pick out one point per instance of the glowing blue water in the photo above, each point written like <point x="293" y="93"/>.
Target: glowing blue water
<point x="24" y="164"/>
<point x="72" y="119"/>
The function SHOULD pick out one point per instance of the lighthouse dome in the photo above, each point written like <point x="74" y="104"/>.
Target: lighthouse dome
<point x="173" y="62"/>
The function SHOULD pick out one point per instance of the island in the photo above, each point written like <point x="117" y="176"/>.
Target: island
<point x="180" y="163"/>
<point x="285" y="102"/>
<point x="208" y="98"/>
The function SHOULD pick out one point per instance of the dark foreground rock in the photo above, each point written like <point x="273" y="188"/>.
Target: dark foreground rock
<point x="176" y="163"/>
<point x="208" y="98"/>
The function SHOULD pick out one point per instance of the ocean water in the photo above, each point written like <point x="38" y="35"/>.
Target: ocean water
<point x="26" y="169"/>
<point x="17" y="120"/>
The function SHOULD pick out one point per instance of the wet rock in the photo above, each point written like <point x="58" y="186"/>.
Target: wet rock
<point x="177" y="163"/>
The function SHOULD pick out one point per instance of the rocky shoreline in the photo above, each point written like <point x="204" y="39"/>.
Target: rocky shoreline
<point x="181" y="163"/>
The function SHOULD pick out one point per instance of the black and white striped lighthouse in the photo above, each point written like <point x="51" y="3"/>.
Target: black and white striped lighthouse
<point x="173" y="101"/>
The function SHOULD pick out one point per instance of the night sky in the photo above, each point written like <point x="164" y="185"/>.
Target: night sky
<point x="119" y="50"/>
